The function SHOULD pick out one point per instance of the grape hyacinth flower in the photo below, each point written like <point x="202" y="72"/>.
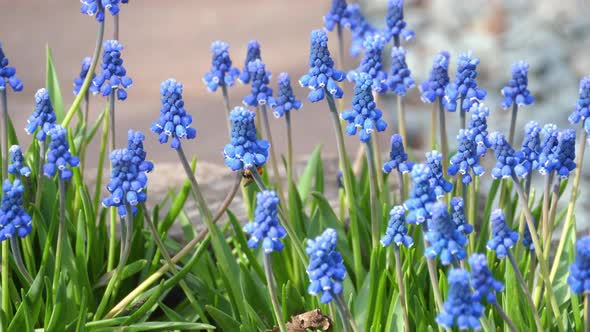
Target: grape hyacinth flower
<point x="326" y="269"/>
<point x="421" y="196"/>
<point x="446" y="241"/>
<point x="478" y="125"/>
<point x="397" y="231"/>
<point x="78" y="81"/>
<point x="97" y="8"/>
<point x="338" y="15"/>
<point x="371" y="63"/>
<point x="359" y="27"/>
<point x="364" y="116"/>
<point x="113" y="76"/>
<point x="395" y="24"/>
<point x="244" y="150"/>
<point x="135" y="147"/>
<point x="399" y="80"/>
<point x="397" y="157"/>
<point x="265" y="228"/>
<point x="549" y="144"/>
<point x="253" y="53"/>
<point x="464" y="88"/>
<point x="441" y="185"/>
<point x="285" y="100"/>
<point x="507" y="160"/>
<point x="458" y="216"/>
<point x="434" y="86"/>
<point x="322" y="75"/>
<point x="531" y="146"/>
<point x="59" y="158"/>
<point x="582" y="110"/>
<point x="18" y="164"/>
<point x="8" y="74"/>
<point x="482" y="281"/>
<point x="260" y="93"/>
<point x="466" y="158"/>
<point x="565" y="155"/>
<point x="174" y="122"/>
<point x="222" y="73"/>
<point x="461" y="309"/>
<point x="14" y="220"/>
<point x="503" y="238"/>
<point x="516" y="92"/>
<point x="43" y="118"/>
<point x="579" y="278"/>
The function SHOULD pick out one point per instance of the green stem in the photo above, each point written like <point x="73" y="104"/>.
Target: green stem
<point x="443" y="136"/>
<point x="434" y="280"/>
<point x="472" y="205"/>
<point x="6" y="279"/>
<point x="4" y="102"/>
<point x="402" y="290"/>
<point x="113" y="210"/>
<point x="401" y="184"/>
<point x="546" y="200"/>
<point x="374" y="197"/>
<point x="84" y="142"/>
<point x="60" y="232"/>
<point x="273" y="155"/>
<point x="401" y="119"/>
<point x="505" y="317"/>
<point x="19" y="260"/>
<point x="345" y="313"/>
<point x="201" y="203"/>
<point x="225" y="95"/>
<point x="586" y="312"/>
<point x="289" y="147"/>
<point x="112" y="99"/>
<point x="462" y="114"/>
<point x="276" y="306"/>
<point x="88" y="79"/>
<point x="432" y="127"/>
<point x="116" y="27"/>
<point x="525" y="290"/>
<point x="513" y="123"/>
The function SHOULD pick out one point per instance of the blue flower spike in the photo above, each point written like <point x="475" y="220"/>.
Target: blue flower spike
<point x="582" y="110"/>
<point x="421" y="196"/>
<point x="174" y="122"/>
<point x="326" y="269"/>
<point x="395" y="24"/>
<point x="508" y="161"/>
<point x="461" y="309"/>
<point x="397" y="230"/>
<point x="371" y="63"/>
<point x="322" y="76"/>
<point x="446" y="241"/>
<point x="531" y="146"/>
<point x="478" y="124"/>
<point x="458" y="216"/>
<point x="260" y="93"/>
<point x="338" y="15"/>
<point x="79" y="81"/>
<point x="399" y="80"/>
<point x="503" y="238"/>
<point x="97" y="8"/>
<point x="517" y="92"/>
<point x="434" y="87"/>
<point x="285" y="100"/>
<point x="265" y="228"/>
<point x="222" y="73"/>
<point x="8" y="74"/>
<point x="245" y="150"/>
<point x="59" y="159"/>
<point x="14" y="220"/>
<point x="360" y="28"/>
<point x="564" y="157"/>
<point x="464" y="88"/>
<point x="397" y="157"/>
<point x="467" y="157"/>
<point x="252" y="53"/>
<point x="43" y="118"/>
<point x="482" y="281"/>
<point x="548" y="153"/>
<point x="364" y="117"/>
<point x="18" y="165"/>
<point x="579" y="278"/>
<point x="437" y="178"/>
<point x="113" y="76"/>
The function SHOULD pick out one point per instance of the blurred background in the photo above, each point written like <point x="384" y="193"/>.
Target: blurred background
<point x="166" y="39"/>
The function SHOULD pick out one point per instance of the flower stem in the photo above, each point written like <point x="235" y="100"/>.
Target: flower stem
<point x="345" y="313"/>
<point x="5" y="143"/>
<point x="88" y="79"/>
<point x="19" y="260"/>
<point x="462" y="114"/>
<point x="513" y="123"/>
<point x="289" y="147"/>
<point x="374" y="197"/>
<point x="201" y="203"/>
<point x="401" y="184"/>
<point x="5" y="279"/>
<point x="116" y="27"/>
<point x="587" y="312"/>
<point x="546" y="200"/>
<point x="84" y="144"/>
<point x="472" y="205"/>
<point x="272" y="291"/>
<point x="113" y="210"/>
<point x="505" y="317"/>
<point x="273" y="155"/>
<point x="226" y="106"/>
<point x="60" y="232"/>
<point x="443" y="136"/>
<point x="402" y="290"/>
<point x="434" y="280"/>
<point x="433" y="119"/>
<point x="525" y="290"/>
<point x="5" y="248"/>
<point x="401" y="118"/>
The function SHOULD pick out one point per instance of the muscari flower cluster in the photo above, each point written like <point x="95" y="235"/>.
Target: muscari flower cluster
<point x="421" y="195"/>
<point x="360" y="29"/>
<point x="549" y="144"/>
<point x="395" y="24"/>
<point x="326" y="269"/>
<point x="113" y="76"/>
<point x="222" y="73"/>
<point x="458" y="216"/>
<point x="461" y="309"/>
<point x="531" y="146"/>
<point x="128" y="176"/>
<point x="503" y="238"/>
<point x="516" y="92"/>
<point x="364" y="116"/>
<point x="579" y="278"/>
<point x="397" y="157"/>
<point x="446" y="241"/>
<point x="59" y="159"/>
<point x="478" y="125"/>
<point x="43" y="118"/>
<point x="8" y="74"/>
<point x="482" y="281"/>
<point x="371" y="63"/>
<point x="252" y="54"/>
<point x="399" y="80"/>
<point x="507" y="160"/>
<point x="397" y="230"/>
<point x="14" y="220"/>
<point x="265" y="227"/>
<point x="464" y="89"/>
<point x="437" y="178"/>
<point x="559" y="153"/>
<point x="97" y="7"/>
<point x="285" y="100"/>
<point x="466" y="158"/>
<point x="322" y="75"/>
<point x="582" y="110"/>
<point x="245" y="150"/>
<point x="438" y="79"/>
<point x="260" y="93"/>
<point x="78" y="81"/>
<point x="174" y="123"/>
<point x="18" y="164"/>
<point x="338" y="15"/>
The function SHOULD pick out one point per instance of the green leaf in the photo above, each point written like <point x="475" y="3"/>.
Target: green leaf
<point x="168" y="326"/>
<point x="305" y="180"/>
<point x="224" y="321"/>
<point x="148" y="306"/>
<point x="52" y="84"/>
<point x="34" y="297"/>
